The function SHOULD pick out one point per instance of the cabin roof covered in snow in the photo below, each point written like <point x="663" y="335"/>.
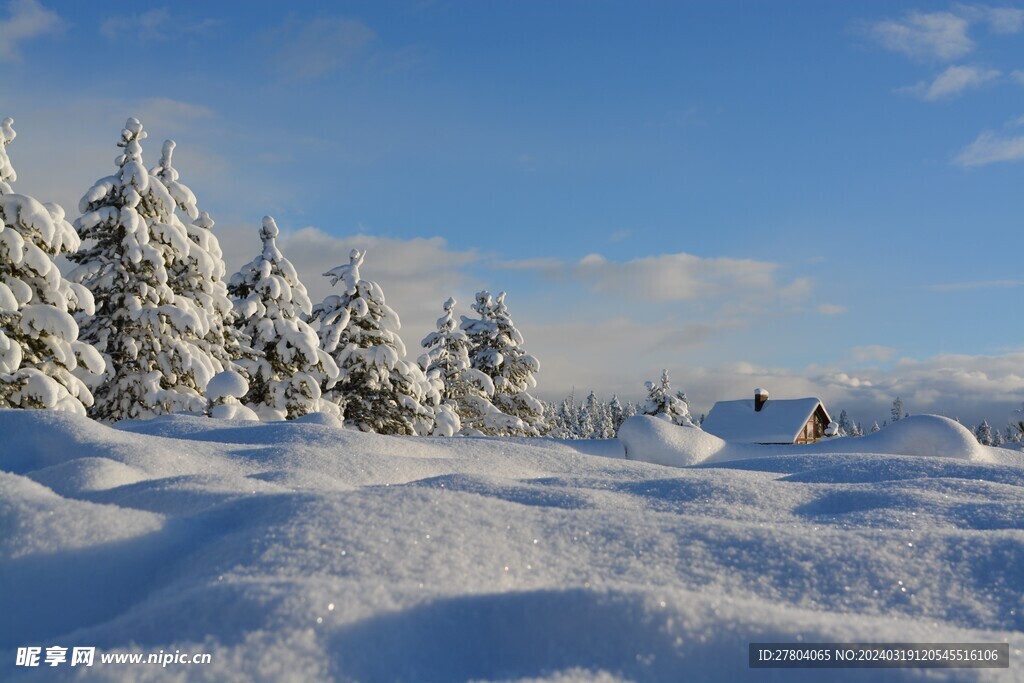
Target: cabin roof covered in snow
<point x="778" y="421"/>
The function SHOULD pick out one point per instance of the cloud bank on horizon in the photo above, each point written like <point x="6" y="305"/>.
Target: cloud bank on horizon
<point x="837" y="236"/>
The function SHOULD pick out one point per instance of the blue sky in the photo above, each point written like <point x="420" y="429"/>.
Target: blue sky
<point x="822" y="198"/>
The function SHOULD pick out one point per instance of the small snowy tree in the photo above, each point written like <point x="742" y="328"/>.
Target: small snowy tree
<point x="897" y="412"/>
<point x="467" y="390"/>
<point x="144" y="332"/>
<point x="662" y="403"/>
<point x="1017" y="425"/>
<point x="846" y="426"/>
<point x="875" y="428"/>
<point x="289" y="367"/>
<point x="377" y="389"/>
<point x="39" y="347"/>
<point x="496" y="350"/>
<point x="983" y="433"/>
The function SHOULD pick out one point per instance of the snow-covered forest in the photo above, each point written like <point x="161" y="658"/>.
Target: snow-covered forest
<point x="147" y="322"/>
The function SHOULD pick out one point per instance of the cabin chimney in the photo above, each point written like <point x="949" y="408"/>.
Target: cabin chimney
<point x="760" y="398"/>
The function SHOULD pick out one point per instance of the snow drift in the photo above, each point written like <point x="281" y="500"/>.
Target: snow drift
<point x="654" y="440"/>
<point x="302" y="551"/>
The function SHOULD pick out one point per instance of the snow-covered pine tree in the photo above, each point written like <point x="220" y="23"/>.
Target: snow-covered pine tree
<point x="600" y="414"/>
<point x="662" y="403"/>
<point x="1017" y="424"/>
<point x="377" y="389"/>
<point x="39" y="347"/>
<point x="496" y="350"/>
<point x="846" y="426"/>
<point x="198" y="274"/>
<point x="875" y="428"/>
<point x="897" y="412"/>
<point x="145" y="333"/>
<point x="289" y="367"/>
<point x="467" y="390"/>
<point x="7" y="174"/>
<point x="983" y="433"/>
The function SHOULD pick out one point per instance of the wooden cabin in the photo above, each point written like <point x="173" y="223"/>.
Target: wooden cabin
<point x="785" y="421"/>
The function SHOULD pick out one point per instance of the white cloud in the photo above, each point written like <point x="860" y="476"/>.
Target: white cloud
<point x="872" y="352"/>
<point x="1004" y="20"/>
<point x="831" y="309"/>
<point x="985" y="284"/>
<point x="309" y="50"/>
<point x="925" y="35"/>
<point x="675" y="277"/>
<point x="153" y="25"/>
<point x="969" y="387"/>
<point x="952" y="82"/>
<point x="990" y="148"/>
<point x="27" y="19"/>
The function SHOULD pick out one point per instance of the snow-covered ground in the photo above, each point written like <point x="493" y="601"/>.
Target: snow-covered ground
<point x="301" y="551"/>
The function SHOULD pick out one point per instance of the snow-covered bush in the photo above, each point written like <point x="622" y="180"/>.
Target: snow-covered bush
<point x="464" y="389"/>
<point x="39" y="346"/>
<point x="377" y="389"/>
<point x="661" y="402"/>
<point x="496" y="350"/>
<point x="144" y="331"/>
<point x="288" y="369"/>
<point x="224" y="392"/>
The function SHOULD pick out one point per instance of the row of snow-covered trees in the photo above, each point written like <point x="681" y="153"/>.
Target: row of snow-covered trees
<point x="146" y="323"/>
<point x="596" y="419"/>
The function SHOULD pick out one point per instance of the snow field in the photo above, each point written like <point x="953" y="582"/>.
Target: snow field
<point x="302" y="551"/>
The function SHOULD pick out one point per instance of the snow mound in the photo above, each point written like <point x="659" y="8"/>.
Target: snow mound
<point x="928" y="435"/>
<point x="84" y="475"/>
<point x="658" y="441"/>
<point x="301" y="551"/>
<point x="227" y="384"/>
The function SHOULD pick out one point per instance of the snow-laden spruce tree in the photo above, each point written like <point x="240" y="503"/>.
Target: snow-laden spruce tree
<point x="288" y="367"/>
<point x="846" y="426"/>
<point x="465" y="389"/>
<point x="661" y="402"/>
<point x="197" y="274"/>
<point x="983" y="433"/>
<point x="897" y="411"/>
<point x="39" y="347"/>
<point x="146" y="334"/>
<point x="496" y="350"/>
<point x="377" y="389"/>
<point x="7" y="174"/>
<point x="602" y="423"/>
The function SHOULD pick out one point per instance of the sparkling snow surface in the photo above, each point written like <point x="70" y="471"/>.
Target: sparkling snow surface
<point x="302" y="551"/>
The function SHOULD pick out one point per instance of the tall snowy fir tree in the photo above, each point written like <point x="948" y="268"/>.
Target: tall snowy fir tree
<point x="144" y="331"/>
<point x="39" y="347"/>
<point x="897" y="411"/>
<point x="662" y="403"/>
<point x="377" y="389"/>
<point x="467" y="390"/>
<point x="496" y="350"/>
<point x="197" y="274"/>
<point x="289" y="367"/>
